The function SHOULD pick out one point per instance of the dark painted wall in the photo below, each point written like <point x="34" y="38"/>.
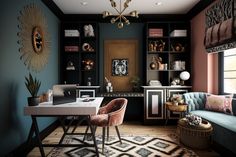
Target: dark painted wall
<point x="108" y="31"/>
<point x="14" y="126"/>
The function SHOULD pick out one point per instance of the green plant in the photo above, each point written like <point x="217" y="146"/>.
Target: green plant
<point x="135" y="81"/>
<point x="32" y="85"/>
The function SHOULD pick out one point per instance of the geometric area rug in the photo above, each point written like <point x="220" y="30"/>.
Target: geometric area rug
<point x="132" y="146"/>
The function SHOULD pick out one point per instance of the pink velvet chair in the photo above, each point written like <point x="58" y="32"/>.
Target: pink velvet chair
<point x="111" y="114"/>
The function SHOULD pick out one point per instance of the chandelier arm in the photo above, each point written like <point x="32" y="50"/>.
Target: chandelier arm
<point x="117" y="10"/>
<point x="124" y="18"/>
<point x="118" y="17"/>
<point x="122" y="11"/>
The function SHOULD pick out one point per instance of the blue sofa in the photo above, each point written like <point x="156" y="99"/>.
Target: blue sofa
<point x="224" y="126"/>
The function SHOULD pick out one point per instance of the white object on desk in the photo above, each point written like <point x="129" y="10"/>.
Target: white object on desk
<point x="75" y="108"/>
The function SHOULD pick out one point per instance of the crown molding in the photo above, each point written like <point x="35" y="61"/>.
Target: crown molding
<point x="54" y="8"/>
<point x="200" y="6"/>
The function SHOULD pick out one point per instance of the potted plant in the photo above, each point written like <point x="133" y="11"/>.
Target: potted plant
<point x="135" y="81"/>
<point x="33" y="85"/>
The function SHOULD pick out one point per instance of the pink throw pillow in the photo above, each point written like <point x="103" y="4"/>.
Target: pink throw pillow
<point x="219" y="103"/>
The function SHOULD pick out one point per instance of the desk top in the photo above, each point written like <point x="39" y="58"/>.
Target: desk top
<point x="68" y="109"/>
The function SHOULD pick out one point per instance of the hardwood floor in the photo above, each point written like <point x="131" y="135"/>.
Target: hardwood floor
<point x="130" y="128"/>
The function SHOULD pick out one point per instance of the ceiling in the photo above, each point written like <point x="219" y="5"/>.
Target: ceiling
<point x="142" y="6"/>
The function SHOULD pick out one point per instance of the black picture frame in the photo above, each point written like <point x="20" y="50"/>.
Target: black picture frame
<point x="120" y="67"/>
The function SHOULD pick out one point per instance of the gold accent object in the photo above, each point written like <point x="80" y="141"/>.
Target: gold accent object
<point x="120" y="16"/>
<point x="34" y="38"/>
<point x="176" y="108"/>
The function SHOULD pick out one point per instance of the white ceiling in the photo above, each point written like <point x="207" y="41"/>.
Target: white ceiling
<point x="142" y="6"/>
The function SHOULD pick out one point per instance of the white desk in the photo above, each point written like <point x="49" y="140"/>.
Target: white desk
<point x="69" y="109"/>
<point x="47" y="109"/>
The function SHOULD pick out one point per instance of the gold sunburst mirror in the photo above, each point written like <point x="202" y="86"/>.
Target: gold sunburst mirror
<point x="34" y="38"/>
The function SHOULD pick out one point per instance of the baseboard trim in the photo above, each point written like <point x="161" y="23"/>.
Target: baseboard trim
<point x="25" y="147"/>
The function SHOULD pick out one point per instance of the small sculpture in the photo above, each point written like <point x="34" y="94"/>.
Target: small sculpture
<point x="87" y="47"/>
<point x="88" y="31"/>
<point x="88" y="64"/>
<point x="109" y="87"/>
<point x="70" y="66"/>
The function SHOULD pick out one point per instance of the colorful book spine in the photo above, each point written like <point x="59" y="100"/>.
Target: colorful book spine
<point x="155" y="32"/>
<point x="71" y="48"/>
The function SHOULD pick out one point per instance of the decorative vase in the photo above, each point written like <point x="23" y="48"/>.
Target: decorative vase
<point x="33" y="101"/>
<point x="153" y="64"/>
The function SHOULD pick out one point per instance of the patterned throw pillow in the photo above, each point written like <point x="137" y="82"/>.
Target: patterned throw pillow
<point x="219" y="103"/>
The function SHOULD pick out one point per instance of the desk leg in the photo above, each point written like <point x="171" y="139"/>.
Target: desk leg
<point x="65" y="129"/>
<point x="93" y="135"/>
<point x="36" y="129"/>
<point x="30" y="134"/>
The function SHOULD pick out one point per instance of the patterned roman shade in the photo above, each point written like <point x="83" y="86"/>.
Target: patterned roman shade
<point x="221" y="26"/>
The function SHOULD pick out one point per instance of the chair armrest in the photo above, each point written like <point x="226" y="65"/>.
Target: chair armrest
<point x="102" y="110"/>
<point x="116" y="118"/>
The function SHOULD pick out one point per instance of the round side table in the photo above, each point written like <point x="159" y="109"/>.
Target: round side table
<point x="170" y="107"/>
<point x="198" y="136"/>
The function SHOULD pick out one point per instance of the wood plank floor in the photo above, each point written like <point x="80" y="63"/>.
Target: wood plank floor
<point x="128" y="128"/>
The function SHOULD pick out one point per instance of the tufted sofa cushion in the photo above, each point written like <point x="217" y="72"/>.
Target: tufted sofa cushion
<point x="195" y="100"/>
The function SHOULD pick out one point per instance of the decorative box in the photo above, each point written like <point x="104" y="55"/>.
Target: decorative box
<point x="178" y="33"/>
<point x="71" y="33"/>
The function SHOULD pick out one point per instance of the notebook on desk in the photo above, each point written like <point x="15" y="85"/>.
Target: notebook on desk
<point x="64" y="94"/>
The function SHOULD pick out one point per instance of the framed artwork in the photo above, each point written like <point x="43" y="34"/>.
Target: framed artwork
<point x="119" y="67"/>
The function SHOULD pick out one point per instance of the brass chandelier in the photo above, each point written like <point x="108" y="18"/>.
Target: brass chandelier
<point x="120" y="16"/>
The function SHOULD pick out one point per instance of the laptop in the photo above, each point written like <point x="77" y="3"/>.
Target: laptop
<point x="65" y="93"/>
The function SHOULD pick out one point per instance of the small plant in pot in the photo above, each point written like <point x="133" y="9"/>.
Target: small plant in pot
<point x="135" y="81"/>
<point x="33" y="85"/>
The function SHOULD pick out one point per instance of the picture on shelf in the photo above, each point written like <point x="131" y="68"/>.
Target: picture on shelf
<point x="119" y="67"/>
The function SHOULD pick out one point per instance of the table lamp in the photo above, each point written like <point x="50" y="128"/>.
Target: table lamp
<point x="184" y="75"/>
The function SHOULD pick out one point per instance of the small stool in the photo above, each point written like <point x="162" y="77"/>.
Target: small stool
<point x="198" y="136"/>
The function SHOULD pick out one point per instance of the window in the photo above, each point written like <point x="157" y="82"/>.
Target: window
<point x="228" y="73"/>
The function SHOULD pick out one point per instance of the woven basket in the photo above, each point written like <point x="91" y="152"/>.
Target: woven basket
<point x="176" y="108"/>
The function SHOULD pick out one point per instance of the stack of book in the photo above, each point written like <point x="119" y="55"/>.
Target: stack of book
<point x="71" y="48"/>
<point x="178" y="33"/>
<point x="155" y="32"/>
<point x="71" y="33"/>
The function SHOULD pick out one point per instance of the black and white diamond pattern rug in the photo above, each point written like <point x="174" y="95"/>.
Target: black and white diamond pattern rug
<point x="132" y="146"/>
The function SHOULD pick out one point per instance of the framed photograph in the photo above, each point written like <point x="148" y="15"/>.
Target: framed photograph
<point x="119" y="67"/>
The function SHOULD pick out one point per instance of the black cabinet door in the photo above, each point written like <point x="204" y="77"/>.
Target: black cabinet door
<point x="154" y="100"/>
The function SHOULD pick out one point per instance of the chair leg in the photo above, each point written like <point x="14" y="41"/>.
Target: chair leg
<point x="118" y="133"/>
<point x="108" y="133"/>
<point x="86" y="132"/>
<point x="103" y="138"/>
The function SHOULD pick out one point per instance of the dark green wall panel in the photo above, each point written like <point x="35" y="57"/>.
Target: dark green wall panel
<point x="14" y="125"/>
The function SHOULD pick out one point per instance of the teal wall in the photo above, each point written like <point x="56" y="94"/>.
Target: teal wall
<point x="108" y="31"/>
<point x="14" y="126"/>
